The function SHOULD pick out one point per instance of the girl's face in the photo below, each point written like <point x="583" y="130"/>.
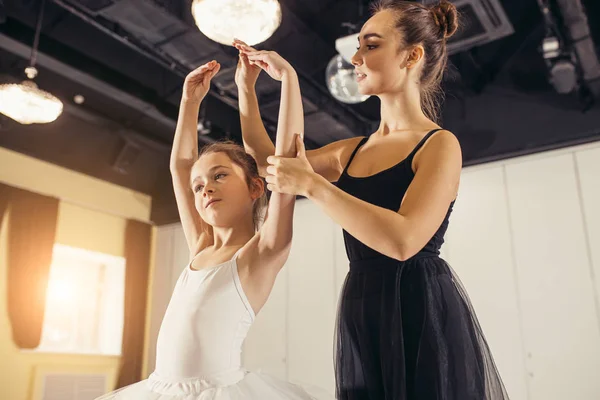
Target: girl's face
<point x="221" y="193"/>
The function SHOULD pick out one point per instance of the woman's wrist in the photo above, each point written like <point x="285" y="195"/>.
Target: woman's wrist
<point x="314" y="184"/>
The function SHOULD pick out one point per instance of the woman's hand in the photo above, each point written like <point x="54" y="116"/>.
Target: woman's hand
<point x="290" y="175"/>
<point x="269" y="61"/>
<point x="197" y="83"/>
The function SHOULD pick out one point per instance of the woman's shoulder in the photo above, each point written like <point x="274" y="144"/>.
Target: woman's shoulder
<point x="441" y="146"/>
<point x="441" y="139"/>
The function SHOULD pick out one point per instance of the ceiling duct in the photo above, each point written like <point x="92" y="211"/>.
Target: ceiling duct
<point x="483" y="21"/>
<point x="172" y="38"/>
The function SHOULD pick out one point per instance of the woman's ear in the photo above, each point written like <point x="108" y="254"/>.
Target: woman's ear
<point x="414" y="56"/>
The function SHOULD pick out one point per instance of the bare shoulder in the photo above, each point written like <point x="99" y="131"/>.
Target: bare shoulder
<point x="329" y="161"/>
<point x="347" y="146"/>
<point x="443" y="139"/>
<point x="203" y="242"/>
<point x="442" y="146"/>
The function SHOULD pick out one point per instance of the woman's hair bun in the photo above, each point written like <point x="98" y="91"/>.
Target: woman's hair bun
<point x="445" y="17"/>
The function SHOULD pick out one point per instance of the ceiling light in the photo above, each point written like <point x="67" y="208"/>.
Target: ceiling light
<point x="252" y="21"/>
<point x="24" y="102"/>
<point x="27" y="104"/>
<point x="78" y="99"/>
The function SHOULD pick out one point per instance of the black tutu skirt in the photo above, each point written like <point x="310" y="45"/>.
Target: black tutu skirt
<point x="407" y="331"/>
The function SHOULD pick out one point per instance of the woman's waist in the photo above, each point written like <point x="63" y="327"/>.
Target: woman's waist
<point x="378" y="260"/>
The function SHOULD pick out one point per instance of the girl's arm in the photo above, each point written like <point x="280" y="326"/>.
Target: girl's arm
<point x="263" y="257"/>
<point x="275" y="235"/>
<point x="184" y="154"/>
<point x="328" y="161"/>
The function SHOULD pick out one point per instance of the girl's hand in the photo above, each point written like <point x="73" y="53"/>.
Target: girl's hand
<point x="197" y="83"/>
<point x="269" y="61"/>
<point x="246" y="73"/>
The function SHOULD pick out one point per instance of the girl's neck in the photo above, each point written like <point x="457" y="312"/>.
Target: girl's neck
<point x="238" y="236"/>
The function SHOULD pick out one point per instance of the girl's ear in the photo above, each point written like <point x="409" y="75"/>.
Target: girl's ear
<point x="257" y="188"/>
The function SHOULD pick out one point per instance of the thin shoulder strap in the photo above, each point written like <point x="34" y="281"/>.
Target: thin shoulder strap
<point x="237" y="253"/>
<point x="363" y="141"/>
<point x="422" y="142"/>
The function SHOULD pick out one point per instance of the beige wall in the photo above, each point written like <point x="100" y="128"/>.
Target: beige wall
<point x="92" y="215"/>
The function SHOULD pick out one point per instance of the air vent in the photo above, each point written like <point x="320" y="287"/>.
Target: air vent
<point x="483" y="21"/>
<point x="73" y="386"/>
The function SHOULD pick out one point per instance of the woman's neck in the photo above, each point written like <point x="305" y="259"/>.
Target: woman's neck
<point x="402" y="111"/>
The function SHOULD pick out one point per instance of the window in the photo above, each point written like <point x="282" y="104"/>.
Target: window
<point x="84" y="303"/>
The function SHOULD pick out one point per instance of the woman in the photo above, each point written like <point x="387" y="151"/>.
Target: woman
<point x="406" y="329"/>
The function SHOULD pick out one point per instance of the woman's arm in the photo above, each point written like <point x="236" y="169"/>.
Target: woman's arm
<point x="185" y="153"/>
<point x="398" y="235"/>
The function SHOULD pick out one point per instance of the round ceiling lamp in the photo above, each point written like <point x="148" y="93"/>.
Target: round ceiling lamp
<point x="252" y="21"/>
<point x="341" y="81"/>
<point x="27" y="104"/>
<point x="24" y="102"/>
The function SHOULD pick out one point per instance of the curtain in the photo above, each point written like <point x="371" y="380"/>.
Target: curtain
<point x="31" y="235"/>
<point x="138" y="237"/>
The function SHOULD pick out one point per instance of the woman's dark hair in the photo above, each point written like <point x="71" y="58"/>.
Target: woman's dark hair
<point x="429" y="27"/>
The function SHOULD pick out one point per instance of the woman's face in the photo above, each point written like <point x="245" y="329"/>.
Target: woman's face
<point x="380" y="61"/>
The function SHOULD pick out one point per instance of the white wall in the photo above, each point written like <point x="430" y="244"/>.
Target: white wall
<point x="524" y="239"/>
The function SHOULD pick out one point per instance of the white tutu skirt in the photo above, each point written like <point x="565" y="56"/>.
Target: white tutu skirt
<point x="239" y="385"/>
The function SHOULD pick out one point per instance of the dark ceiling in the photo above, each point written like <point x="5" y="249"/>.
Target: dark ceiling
<point x="128" y="59"/>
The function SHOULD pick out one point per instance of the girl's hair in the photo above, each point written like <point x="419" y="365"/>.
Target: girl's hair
<point x="429" y="27"/>
<point x="238" y="156"/>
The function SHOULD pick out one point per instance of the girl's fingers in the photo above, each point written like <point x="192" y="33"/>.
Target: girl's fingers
<point x="262" y="64"/>
<point x="199" y="71"/>
<point x="259" y="63"/>
<point x="215" y="71"/>
<point x="203" y="69"/>
<point x="258" y="56"/>
<point x="240" y="44"/>
<point x="244" y="59"/>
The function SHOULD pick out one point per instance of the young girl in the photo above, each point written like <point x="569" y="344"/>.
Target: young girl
<point x="234" y="260"/>
<point x="406" y="329"/>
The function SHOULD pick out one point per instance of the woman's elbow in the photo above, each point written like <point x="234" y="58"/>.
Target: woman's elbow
<point x="405" y="249"/>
